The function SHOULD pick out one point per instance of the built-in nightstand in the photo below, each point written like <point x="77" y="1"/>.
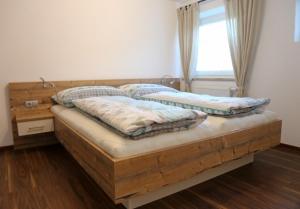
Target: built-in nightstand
<point x="33" y="127"/>
<point x="35" y="124"/>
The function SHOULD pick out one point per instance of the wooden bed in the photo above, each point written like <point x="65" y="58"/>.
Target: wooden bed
<point x="137" y="180"/>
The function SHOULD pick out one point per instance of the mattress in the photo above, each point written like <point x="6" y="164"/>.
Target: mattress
<point x="119" y="147"/>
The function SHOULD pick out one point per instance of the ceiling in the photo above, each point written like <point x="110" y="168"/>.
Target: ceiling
<point x="179" y="1"/>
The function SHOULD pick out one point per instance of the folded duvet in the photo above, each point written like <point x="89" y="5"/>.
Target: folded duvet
<point x="224" y="106"/>
<point x="136" y="118"/>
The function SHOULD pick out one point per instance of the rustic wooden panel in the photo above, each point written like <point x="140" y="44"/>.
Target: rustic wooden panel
<point x="20" y="92"/>
<point x="125" y="177"/>
<point x="183" y="162"/>
<point x="95" y="162"/>
<point x="24" y="117"/>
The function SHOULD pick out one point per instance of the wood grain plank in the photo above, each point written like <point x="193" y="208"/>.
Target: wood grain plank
<point x="97" y="164"/>
<point x="32" y="116"/>
<point x="179" y="163"/>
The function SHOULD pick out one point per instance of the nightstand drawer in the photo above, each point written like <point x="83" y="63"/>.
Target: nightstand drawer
<point x="35" y="127"/>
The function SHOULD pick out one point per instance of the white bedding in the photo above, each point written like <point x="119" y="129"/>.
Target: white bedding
<point x="118" y="146"/>
<point x="137" y="118"/>
<point x="213" y="105"/>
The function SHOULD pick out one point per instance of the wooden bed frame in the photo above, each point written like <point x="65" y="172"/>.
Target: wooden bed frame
<point x="137" y="180"/>
<point x="125" y="178"/>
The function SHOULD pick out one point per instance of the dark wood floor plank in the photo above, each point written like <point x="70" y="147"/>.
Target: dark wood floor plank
<point x="283" y="155"/>
<point x="3" y="173"/>
<point x="265" y="199"/>
<point x="21" y="176"/>
<point x="222" y="197"/>
<point x="192" y="201"/>
<point x="280" y="161"/>
<point x="49" y="178"/>
<point x="267" y="181"/>
<point x="289" y="149"/>
<point x="8" y="201"/>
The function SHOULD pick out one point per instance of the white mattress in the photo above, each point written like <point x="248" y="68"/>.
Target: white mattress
<point x="118" y="146"/>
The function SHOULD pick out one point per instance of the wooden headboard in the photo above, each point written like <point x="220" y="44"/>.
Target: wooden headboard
<point x="19" y="92"/>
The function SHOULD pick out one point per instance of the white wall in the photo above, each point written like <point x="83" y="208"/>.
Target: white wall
<point x="277" y="67"/>
<point x="78" y="39"/>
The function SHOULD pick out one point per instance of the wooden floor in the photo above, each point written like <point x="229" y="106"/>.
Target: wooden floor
<point x="47" y="178"/>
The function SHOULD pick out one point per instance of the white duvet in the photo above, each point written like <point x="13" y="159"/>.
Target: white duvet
<point x="225" y="106"/>
<point x="137" y="118"/>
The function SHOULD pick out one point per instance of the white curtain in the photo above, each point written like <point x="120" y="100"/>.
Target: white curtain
<point x="243" y="19"/>
<point x="188" y="25"/>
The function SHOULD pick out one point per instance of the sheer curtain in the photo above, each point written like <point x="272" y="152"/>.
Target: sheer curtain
<point x="188" y="25"/>
<point x="243" y="19"/>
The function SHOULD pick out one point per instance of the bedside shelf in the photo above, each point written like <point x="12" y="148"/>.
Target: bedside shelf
<point x="33" y="127"/>
<point x="32" y="116"/>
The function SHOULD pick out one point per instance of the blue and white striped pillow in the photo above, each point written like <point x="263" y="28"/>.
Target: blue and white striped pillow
<point x="65" y="97"/>
<point x="138" y="90"/>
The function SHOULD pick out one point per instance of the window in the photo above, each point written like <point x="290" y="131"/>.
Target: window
<point x="214" y="57"/>
<point x="297" y="21"/>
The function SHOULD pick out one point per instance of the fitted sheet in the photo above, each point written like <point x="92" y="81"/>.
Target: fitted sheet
<point x="119" y="147"/>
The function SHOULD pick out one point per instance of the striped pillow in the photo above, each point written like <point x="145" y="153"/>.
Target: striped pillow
<point x="138" y="90"/>
<point x="66" y="97"/>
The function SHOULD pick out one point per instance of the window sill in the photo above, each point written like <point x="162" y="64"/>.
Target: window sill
<point x="214" y="78"/>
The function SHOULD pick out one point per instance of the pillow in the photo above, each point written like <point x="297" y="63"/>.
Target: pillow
<point x="65" y="97"/>
<point x="138" y="90"/>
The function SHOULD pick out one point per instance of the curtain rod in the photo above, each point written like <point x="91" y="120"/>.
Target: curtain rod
<point x="186" y="6"/>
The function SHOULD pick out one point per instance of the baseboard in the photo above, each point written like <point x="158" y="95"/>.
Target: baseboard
<point x="289" y="146"/>
<point x="10" y="147"/>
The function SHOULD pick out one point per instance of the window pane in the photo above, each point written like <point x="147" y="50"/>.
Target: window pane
<point x="214" y="54"/>
<point x="297" y="22"/>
